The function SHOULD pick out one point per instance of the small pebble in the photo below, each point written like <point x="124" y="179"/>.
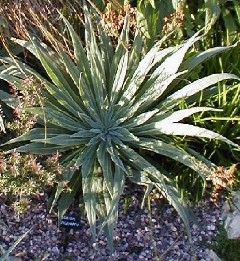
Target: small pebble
<point x="173" y="228"/>
<point x="55" y="249"/>
<point x="211" y="227"/>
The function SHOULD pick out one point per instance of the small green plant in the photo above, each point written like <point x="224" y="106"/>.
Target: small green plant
<point x="23" y="177"/>
<point x="227" y="249"/>
<point x="106" y="108"/>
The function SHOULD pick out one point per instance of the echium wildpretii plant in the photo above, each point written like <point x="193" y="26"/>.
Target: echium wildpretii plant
<point x="105" y="106"/>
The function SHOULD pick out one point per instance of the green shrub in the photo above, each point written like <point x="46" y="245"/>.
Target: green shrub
<point x="23" y="177"/>
<point x="108" y="106"/>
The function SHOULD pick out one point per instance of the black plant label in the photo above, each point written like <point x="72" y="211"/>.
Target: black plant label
<point x="71" y="222"/>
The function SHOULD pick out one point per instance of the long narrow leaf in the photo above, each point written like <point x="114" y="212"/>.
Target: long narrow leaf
<point x="90" y="201"/>
<point x="37" y="133"/>
<point x="176" y="154"/>
<point x="79" y="52"/>
<point x="201" y="57"/>
<point x="190" y="130"/>
<point x="41" y="148"/>
<point x="106" y="164"/>
<point x="181" y="114"/>
<point x="197" y="86"/>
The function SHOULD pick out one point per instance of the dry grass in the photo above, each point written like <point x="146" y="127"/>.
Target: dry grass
<point x="21" y="18"/>
<point x="21" y="15"/>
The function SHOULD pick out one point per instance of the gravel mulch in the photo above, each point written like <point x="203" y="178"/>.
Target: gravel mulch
<point x="136" y="238"/>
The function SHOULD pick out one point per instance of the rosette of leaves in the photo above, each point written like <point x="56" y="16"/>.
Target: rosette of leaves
<point x="106" y="106"/>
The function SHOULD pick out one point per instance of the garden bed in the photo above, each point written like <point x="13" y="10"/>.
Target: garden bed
<point x="136" y="238"/>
